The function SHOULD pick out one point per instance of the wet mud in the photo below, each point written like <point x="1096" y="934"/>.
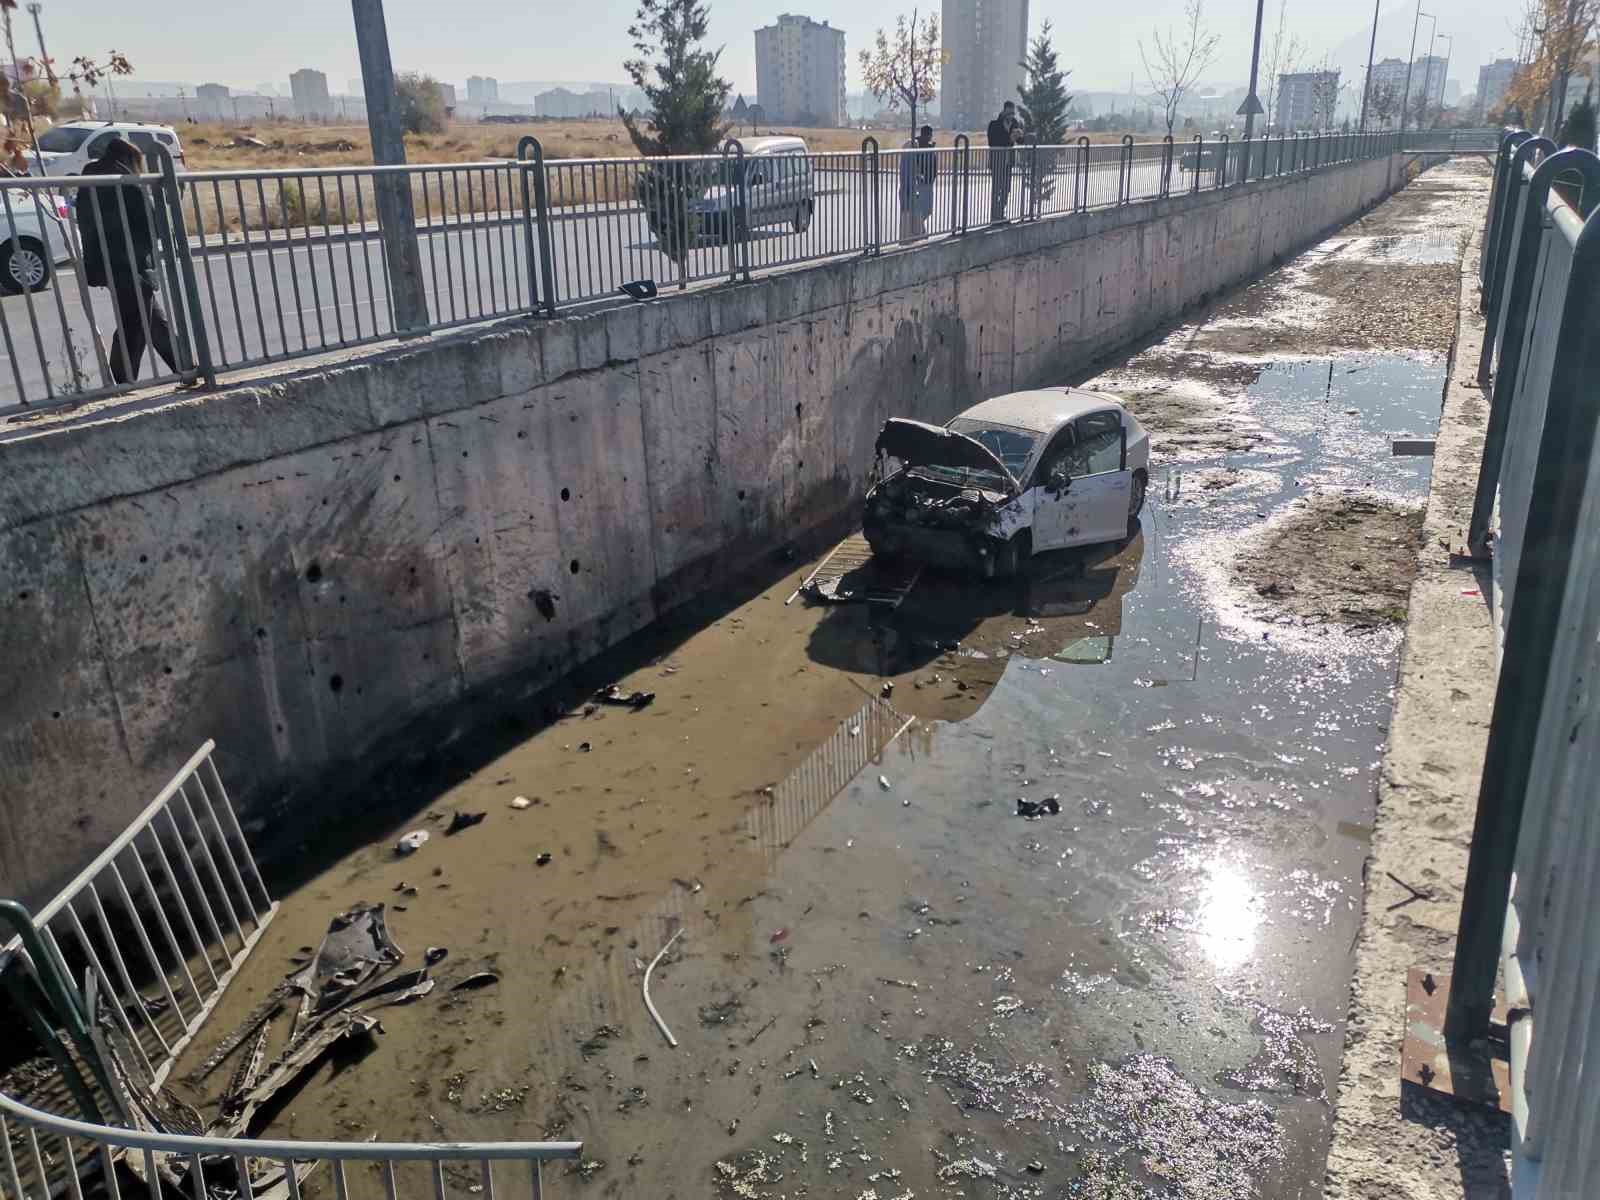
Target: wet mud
<point x="889" y="982"/>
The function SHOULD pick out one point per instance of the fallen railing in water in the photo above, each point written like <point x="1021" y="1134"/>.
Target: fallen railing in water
<point x="155" y="928"/>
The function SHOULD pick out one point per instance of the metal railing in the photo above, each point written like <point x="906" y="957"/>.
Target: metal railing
<point x="156" y="928"/>
<point x="258" y="267"/>
<point x="1528" y="905"/>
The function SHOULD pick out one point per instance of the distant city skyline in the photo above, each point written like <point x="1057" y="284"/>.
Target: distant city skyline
<point x="224" y="41"/>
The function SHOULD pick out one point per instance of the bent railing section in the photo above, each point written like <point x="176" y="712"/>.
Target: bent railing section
<point x="117" y="974"/>
<point x="1528" y="905"/>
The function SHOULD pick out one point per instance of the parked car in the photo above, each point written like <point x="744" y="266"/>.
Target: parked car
<point x="1015" y="476"/>
<point x="779" y="187"/>
<point x="67" y="148"/>
<point x="33" y="226"/>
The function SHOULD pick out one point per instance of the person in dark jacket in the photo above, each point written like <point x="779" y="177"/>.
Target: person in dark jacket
<point x="114" y="229"/>
<point x="1005" y="131"/>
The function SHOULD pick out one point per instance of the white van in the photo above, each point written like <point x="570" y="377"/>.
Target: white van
<point x="33" y="237"/>
<point x="66" y="149"/>
<point x="780" y="186"/>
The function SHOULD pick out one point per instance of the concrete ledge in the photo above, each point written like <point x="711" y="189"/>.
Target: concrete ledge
<point x="1388" y="1142"/>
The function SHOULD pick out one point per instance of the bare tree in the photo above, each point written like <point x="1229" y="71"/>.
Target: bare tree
<point x="1175" y="61"/>
<point x="1284" y="55"/>
<point x="1383" y="102"/>
<point x="1324" y="96"/>
<point x="906" y="70"/>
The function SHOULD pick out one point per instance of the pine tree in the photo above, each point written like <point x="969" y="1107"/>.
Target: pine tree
<point x="1044" y="96"/>
<point x="685" y="93"/>
<point x="1579" y="128"/>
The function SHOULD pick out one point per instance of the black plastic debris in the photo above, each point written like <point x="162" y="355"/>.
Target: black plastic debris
<point x="1049" y="806"/>
<point x="463" y="820"/>
<point x="479" y="979"/>
<point x="615" y="696"/>
<point x="543" y="860"/>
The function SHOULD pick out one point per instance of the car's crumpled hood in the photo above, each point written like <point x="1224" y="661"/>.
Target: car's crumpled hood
<point x="918" y="444"/>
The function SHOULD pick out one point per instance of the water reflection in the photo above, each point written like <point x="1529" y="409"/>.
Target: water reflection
<point x="1229" y="915"/>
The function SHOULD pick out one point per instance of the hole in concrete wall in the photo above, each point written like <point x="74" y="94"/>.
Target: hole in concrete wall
<point x="280" y="728"/>
<point x="144" y="558"/>
<point x="240" y="527"/>
<point x="741" y="493"/>
<point x="341" y="599"/>
<point x="22" y="595"/>
<point x="566" y="494"/>
<point x="545" y="601"/>
<point x="397" y="479"/>
<point x="573" y="567"/>
<point x="521" y="433"/>
<point x="336" y="683"/>
<point x="166" y="670"/>
<point x="798" y="407"/>
<point x="314" y="573"/>
<point x="56" y="715"/>
<point x="260" y="633"/>
<point x="463" y="454"/>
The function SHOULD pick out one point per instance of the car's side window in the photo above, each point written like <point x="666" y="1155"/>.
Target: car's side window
<point x="97" y="145"/>
<point x="1099" y="444"/>
<point x="1057" y="453"/>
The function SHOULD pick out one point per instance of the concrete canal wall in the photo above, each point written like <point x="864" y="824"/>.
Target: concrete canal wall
<point x="298" y="568"/>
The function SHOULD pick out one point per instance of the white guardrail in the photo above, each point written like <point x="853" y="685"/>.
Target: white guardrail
<point x="116" y="976"/>
<point x="1529" y="906"/>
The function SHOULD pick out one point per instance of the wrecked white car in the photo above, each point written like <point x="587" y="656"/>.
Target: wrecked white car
<point x="1014" y="476"/>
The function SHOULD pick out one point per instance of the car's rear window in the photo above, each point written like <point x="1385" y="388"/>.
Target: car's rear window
<point x="62" y="139"/>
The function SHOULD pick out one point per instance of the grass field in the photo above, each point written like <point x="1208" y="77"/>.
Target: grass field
<point x="212" y="147"/>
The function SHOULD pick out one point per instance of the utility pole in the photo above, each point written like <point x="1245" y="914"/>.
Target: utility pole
<point x="1252" y="102"/>
<point x="1372" y="47"/>
<point x="397" y="219"/>
<point x="1427" y="76"/>
<point x="1444" y="81"/>
<point x="1405" y="99"/>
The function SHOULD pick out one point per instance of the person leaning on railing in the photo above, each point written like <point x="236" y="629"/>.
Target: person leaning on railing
<point x="119" y="254"/>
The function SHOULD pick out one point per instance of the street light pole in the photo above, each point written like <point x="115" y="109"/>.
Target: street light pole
<point x="1427" y="76"/>
<point x="1451" y="38"/>
<point x="1411" y="61"/>
<point x="1372" y="47"/>
<point x="1255" y="61"/>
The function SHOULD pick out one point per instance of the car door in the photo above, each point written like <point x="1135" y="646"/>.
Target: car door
<point x="1054" y="509"/>
<point x="1101" y="483"/>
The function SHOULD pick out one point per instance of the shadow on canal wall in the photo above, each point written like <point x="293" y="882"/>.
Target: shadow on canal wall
<point x="302" y="568"/>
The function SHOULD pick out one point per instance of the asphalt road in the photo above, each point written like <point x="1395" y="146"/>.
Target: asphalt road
<point x="287" y="295"/>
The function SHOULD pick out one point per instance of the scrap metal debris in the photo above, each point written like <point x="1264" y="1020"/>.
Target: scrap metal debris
<point x="411" y="842"/>
<point x="479" y="979"/>
<point x="463" y="820"/>
<point x="615" y="696"/>
<point x="1033" y="809"/>
<point x="660" y="1024"/>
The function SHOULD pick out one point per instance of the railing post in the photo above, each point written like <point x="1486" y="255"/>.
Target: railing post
<point x="736" y="186"/>
<point x="1222" y="163"/>
<point x="961" y="197"/>
<point x="1199" y="161"/>
<point x="191" y="325"/>
<point x="1125" y="169"/>
<point x="1505" y="209"/>
<point x="1080" y="180"/>
<point x="1554" y="527"/>
<point x="1035" y="176"/>
<point x="871" y="208"/>
<point x="1246" y="145"/>
<point x="1166" y="165"/>
<point x="1508" y="334"/>
<point x="536" y="224"/>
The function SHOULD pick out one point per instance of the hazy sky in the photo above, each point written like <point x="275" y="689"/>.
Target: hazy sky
<point x="240" y="44"/>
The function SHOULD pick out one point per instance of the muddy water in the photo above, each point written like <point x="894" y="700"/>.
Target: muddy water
<point x="890" y="983"/>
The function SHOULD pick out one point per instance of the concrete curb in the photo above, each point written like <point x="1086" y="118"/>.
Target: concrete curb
<point x="1390" y="1142"/>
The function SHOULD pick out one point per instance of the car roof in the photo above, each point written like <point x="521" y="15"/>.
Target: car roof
<point x="96" y="126"/>
<point x="1042" y="410"/>
<point x="767" y="145"/>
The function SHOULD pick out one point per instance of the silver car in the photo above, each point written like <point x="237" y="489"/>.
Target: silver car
<point x="779" y="187"/>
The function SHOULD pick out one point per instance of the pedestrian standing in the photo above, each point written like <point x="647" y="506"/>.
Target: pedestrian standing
<point x="919" y="168"/>
<point x="1005" y="132"/>
<point x="114" y="230"/>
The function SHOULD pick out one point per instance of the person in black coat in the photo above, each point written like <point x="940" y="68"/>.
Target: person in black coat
<point x="1004" y="132"/>
<point x="118" y="246"/>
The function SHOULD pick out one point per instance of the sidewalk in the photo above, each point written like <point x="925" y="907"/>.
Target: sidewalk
<point x="1388" y="1141"/>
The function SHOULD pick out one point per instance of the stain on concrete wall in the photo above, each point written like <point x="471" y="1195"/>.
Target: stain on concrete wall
<point x="298" y="569"/>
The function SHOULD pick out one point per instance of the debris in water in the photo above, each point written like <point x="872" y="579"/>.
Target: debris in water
<point x="411" y="842"/>
<point x="1036" y="1167"/>
<point x="910" y="984"/>
<point x="778" y="935"/>
<point x="887" y="689"/>
<point x="584" y="747"/>
<point x="1006" y="1005"/>
<point x="463" y="820"/>
<point x="479" y="979"/>
<point x="883" y="782"/>
<point x="520" y="802"/>
<point x="660" y="1024"/>
<point x="1032" y="809"/>
<point x="543" y="860"/>
<point x="733" y="1126"/>
<point x="434" y="955"/>
<point x="614" y="695"/>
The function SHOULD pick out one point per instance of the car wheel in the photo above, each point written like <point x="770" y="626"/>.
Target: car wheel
<point x="24" y="266"/>
<point x="1136" y="499"/>
<point x="802" y="217"/>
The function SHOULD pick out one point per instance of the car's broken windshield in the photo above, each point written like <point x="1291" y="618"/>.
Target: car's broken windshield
<point x="1013" y="447"/>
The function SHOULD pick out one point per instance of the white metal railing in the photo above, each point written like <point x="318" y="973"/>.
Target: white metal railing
<point x="1529" y="904"/>
<point x="139" y="948"/>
